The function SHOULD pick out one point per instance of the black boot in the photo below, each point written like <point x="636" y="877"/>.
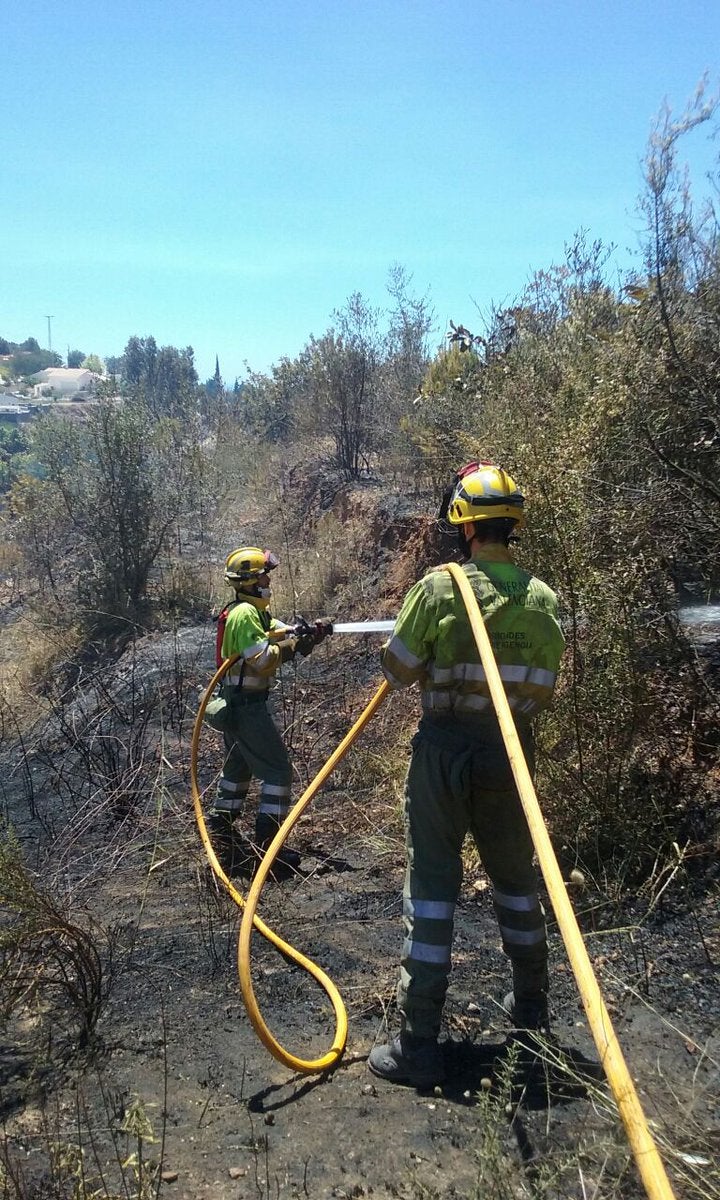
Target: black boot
<point x="409" y="1059"/>
<point x="287" y="861"/>
<point x="534" y="1050"/>
<point x="232" y="851"/>
<point x="527" y="1003"/>
<point x="529" y="1013"/>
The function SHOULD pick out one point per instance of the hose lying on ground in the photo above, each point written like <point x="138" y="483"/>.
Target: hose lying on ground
<point x="248" y="904"/>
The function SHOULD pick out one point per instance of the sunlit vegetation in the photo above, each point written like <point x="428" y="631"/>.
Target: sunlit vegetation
<point x="600" y="396"/>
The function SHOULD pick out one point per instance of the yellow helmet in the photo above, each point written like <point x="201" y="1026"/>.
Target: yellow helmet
<point x="245" y="565"/>
<point x="482" y="492"/>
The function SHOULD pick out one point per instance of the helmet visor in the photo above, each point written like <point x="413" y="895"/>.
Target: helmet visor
<point x="472" y="467"/>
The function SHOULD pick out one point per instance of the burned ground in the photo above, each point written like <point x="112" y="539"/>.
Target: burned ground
<point x="174" y="1073"/>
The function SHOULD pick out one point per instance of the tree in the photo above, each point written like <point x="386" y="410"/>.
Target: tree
<point x="443" y="411"/>
<point x="165" y="379"/>
<point x="407" y="353"/>
<point x="272" y="404"/>
<point x="115" y="364"/>
<point x="671" y="409"/>
<point x="94" y="363"/>
<point x="75" y="358"/>
<point x="139" y="358"/>
<point x="14" y="445"/>
<point x="344" y="367"/>
<point x="212" y="398"/>
<point x="39" y="527"/>
<point x="121" y="478"/>
<point x="29" y="362"/>
<point x="215" y="386"/>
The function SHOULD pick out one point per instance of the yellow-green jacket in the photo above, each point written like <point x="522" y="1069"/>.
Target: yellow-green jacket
<point x="248" y="633"/>
<point x="433" y="644"/>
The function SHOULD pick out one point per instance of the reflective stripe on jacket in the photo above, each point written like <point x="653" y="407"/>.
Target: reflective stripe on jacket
<point x="246" y="633"/>
<point x="433" y="644"/>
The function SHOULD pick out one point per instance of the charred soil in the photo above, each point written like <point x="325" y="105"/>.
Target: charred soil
<point x="175" y="1095"/>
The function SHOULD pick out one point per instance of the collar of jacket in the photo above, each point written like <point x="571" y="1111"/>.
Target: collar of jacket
<point x="266" y="618"/>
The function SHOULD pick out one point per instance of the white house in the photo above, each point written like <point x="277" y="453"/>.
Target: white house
<point x="64" y="381"/>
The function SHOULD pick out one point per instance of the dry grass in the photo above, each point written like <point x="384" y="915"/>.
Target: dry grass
<point x="34" y="646"/>
<point x="48" y="962"/>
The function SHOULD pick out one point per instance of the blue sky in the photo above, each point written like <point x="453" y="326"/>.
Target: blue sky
<point x="225" y="174"/>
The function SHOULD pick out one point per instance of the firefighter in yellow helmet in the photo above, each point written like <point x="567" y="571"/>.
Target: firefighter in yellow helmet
<point x="253" y="745"/>
<point x="459" y="778"/>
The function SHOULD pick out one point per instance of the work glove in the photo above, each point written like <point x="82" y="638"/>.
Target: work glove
<point x="287" y="648"/>
<point x="305" y="637"/>
<point x="309" y="636"/>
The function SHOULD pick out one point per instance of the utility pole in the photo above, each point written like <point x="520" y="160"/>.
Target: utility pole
<point x="49" y="319"/>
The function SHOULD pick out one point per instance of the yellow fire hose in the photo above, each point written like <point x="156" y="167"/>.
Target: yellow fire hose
<point x="647" y="1158"/>
<point x="248" y="905"/>
<point x="649" y="1163"/>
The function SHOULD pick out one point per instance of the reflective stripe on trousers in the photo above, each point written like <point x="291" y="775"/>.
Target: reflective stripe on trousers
<point x="429" y="925"/>
<point x="231" y="795"/>
<point x="522" y="922"/>
<point x="274" y="800"/>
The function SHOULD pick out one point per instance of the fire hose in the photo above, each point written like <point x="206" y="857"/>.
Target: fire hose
<point x="647" y="1158"/>
<point x="248" y="905"/>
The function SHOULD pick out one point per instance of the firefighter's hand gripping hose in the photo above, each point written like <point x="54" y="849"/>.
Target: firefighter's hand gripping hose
<point x="649" y="1163"/>
<point x="248" y="904"/>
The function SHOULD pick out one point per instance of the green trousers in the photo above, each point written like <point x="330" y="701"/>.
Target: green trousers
<point x="460" y="781"/>
<point x="253" y="748"/>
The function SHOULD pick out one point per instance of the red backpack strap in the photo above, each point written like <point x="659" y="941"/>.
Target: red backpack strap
<point x="220" y="632"/>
